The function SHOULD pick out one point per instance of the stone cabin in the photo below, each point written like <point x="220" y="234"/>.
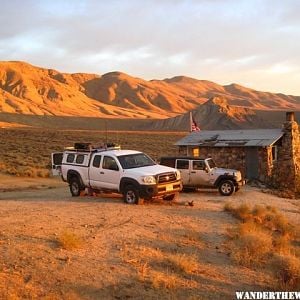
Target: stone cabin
<point x="268" y="155"/>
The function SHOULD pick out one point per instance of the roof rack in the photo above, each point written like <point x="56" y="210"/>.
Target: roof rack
<point x="88" y="147"/>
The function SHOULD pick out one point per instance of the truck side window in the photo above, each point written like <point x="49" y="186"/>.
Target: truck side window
<point x="109" y="163"/>
<point x="70" y="157"/>
<point x="79" y="159"/>
<point x="198" y="165"/>
<point x="182" y="164"/>
<point x="96" y="161"/>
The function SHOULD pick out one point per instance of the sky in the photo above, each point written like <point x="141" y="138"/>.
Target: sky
<point x="255" y="43"/>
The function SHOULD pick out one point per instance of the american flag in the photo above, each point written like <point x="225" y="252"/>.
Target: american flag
<point x="194" y="126"/>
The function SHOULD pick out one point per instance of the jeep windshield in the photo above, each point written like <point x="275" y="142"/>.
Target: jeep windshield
<point x="211" y="163"/>
<point x="135" y="161"/>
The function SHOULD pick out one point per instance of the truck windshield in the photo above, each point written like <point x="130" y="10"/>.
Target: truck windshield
<point x="135" y="161"/>
<point x="211" y="163"/>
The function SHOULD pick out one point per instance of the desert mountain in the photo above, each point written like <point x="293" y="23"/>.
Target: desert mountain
<point x="26" y="89"/>
<point x="214" y="114"/>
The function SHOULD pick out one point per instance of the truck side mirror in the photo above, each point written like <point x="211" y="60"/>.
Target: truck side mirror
<point x="206" y="169"/>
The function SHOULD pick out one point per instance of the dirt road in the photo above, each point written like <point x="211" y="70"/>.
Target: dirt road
<point x="125" y="252"/>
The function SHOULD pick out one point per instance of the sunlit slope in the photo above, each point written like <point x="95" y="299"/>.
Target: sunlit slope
<point x="26" y="89"/>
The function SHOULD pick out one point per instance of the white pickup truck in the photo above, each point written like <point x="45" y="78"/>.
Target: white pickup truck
<point x="131" y="173"/>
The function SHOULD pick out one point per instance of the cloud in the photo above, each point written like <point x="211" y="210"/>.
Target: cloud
<point x="215" y="40"/>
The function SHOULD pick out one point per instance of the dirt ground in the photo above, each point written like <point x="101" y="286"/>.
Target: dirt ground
<point x="125" y="252"/>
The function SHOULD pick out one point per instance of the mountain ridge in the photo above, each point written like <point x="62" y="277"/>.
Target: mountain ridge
<point x="27" y="89"/>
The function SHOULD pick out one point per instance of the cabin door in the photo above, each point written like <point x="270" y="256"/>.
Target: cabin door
<point x="252" y="164"/>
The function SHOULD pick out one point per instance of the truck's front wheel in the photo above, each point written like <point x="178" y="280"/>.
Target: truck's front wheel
<point x="75" y="186"/>
<point x="131" y="195"/>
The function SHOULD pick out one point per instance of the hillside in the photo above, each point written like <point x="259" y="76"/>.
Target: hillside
<point x="216" y="113"/>
<point x="26" y="89"/>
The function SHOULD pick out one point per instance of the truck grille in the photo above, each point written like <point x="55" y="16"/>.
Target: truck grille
<point x="166" y="177"/>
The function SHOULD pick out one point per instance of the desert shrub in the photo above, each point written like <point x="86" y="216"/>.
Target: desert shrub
<point x="69" y="240"/>
<point x="241" y="212"/>
<point x="252" y="246"/>
<point x="286" y="269"/>
<point x="267" y="217"/>
<point x="266" y="236"/>
<point x="162" y="280"/>
<point x="282" y="244"/>
<point x="181" y="262"/>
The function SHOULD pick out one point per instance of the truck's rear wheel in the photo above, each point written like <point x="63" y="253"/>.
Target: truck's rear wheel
<point x="75" y="186"/>
<point x="131" y="195"/>
<point x="226" y="188"/>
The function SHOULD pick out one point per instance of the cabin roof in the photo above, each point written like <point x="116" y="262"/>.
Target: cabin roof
<point x="232" y="138"/>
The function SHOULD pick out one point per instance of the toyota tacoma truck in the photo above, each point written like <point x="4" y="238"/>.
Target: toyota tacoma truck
<point x="197" y="173"/>
<point x="128" y="172"/>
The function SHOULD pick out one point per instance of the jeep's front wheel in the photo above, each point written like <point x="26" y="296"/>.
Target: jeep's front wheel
<point x="75" y="186"/>
<point x="226" y="188"/>
<point x="131" y="195"/>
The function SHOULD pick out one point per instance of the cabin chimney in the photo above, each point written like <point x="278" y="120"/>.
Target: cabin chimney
<point x="287" y="166"/>
<point x="290" y="116"/>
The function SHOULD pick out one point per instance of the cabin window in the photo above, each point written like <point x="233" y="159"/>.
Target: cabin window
<point x="195" y="151"/>
<point x="274" y="153"/>
<point x="70" y="158"/>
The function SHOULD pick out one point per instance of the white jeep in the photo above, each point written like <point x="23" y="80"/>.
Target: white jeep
<point x="197" y="173"/>
<point x="131" y="173"/>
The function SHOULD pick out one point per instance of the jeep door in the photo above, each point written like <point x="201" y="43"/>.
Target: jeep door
<point x="183" y="166"/>
<point x="199" y="175"/>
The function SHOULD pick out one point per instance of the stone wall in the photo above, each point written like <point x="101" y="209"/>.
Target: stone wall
<point x="286" y="170"/>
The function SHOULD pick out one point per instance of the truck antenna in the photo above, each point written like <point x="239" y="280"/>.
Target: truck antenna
<point x="106" y="132"/>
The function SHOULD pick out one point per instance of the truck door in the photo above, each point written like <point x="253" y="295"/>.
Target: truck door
<point x="56" y="160"/>
<point x="111" y="173"/>
<point x="95" y="171"/>
<point x="182" y="165"/>
<point x="198" y="175"/>
<point x="104" y="173"/>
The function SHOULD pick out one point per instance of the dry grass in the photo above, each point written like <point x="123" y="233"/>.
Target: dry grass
<point x="286" y="269"/>
<point x="252" y="246"/>
<point x="69" y="240"/>
<point x="181" y="263"/>
<point x="265" y="237"/>
<point x="160" y="268"/>
<point x="26" y="152"/>
<point x="266" y="217"/>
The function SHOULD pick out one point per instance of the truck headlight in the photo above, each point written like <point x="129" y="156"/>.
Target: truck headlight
<point x="178" y="175"/>
<point x="149" y="180"/>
